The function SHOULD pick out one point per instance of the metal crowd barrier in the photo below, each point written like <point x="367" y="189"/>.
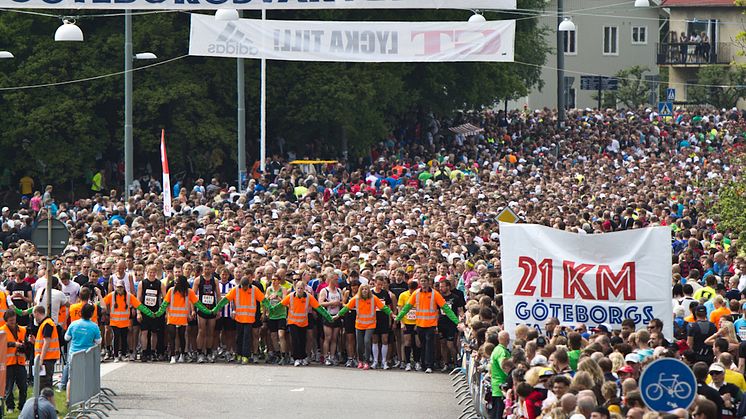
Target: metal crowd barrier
<point x="470" y="388"/>
<point x="86" y="396"/>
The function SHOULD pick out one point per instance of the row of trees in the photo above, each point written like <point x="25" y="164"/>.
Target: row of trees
<point x="61" y="132"/>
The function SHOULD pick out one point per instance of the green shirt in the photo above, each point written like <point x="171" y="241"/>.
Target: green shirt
<point x="280" y="311"/>
<point x="573" y="357"/>
<point x="498" y="375"/>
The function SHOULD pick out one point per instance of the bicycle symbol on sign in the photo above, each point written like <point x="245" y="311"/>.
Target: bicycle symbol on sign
<point x="670" y="386"/>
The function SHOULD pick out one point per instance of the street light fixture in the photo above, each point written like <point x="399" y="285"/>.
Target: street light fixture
<point x="146" y="56"/>
<point x="68" y="31"/>
<point x="6" y="54"/>
<point x="642" y="3"/>
<point x="226" y="14"/>
<point x="566" y="25"/>
<point x="477" y="18"/>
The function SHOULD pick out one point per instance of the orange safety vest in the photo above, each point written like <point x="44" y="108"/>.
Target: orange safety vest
<point x="245" y="304"/>
<point x="53" y="352"/>
<point x="298" y="310"/>
<point x="427" y="314"/>
<point x="11" y="356"/>
<point x="178" y="312"/>
<point x="3" y="307"/>
<point x="62" y="317"/>
<point x="119" y="310"/>
<point x="365" y="319"/>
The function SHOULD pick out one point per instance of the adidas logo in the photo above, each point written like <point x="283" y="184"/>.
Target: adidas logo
<point x="232" y="41"/>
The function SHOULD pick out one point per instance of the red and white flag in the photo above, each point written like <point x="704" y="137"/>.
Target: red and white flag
<point x="166" y="177"/>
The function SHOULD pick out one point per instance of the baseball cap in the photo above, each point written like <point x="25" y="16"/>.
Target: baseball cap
<point x="119" y="283"/>
<point x="626" y="369"/>
<point x="546" y="372"/>
<point x="602" y="328"/>
<point x="539" y="360"/>
<point x="6" y="209"/>
<point x="634" y="358"/>
<point x="717" y="367"/>
<point x="700" y="309"/>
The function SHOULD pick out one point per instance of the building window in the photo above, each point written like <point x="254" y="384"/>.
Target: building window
<point x="570" y="38"/>
<point x="611" y="40"/>
<point x="639" y="35"/>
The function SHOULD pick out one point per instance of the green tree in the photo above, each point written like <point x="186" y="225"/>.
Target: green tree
<point x="60" y="133"/>
<point x="719" y="86"/>
<point x="731" y="207"/>
<point x="633" y="88"/>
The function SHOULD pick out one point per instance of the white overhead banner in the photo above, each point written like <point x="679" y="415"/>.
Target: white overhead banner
<point x="352" y="41"/>
<point x="590" y="279"/>
<point x="259" y="4"/>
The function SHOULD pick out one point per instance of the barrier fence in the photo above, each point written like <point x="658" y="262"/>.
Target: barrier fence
<point x="86" y="396"/>
<point x="471" y="387"/>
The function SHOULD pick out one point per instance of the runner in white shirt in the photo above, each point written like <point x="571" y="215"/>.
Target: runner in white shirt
<point x="330" y="297"/>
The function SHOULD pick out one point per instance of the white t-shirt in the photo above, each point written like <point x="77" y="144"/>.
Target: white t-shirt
<point x="72" y="291"/>
<point x="58" y="300"/>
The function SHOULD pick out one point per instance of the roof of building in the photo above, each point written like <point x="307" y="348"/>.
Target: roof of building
<point x="698" y="3"/>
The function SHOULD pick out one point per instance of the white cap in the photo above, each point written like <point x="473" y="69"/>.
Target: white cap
<point x="635" y="358"/>
<point x="539" y="360"/>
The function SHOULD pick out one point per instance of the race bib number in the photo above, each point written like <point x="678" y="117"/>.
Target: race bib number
<point x="17" y="294"/>
<point x="151" y="298"/>
<point x="208" y="299"/>
<point x="742" y="333"/>
<point x="412" y="314"/>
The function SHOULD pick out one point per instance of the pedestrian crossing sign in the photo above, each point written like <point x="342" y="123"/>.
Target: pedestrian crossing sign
<point x="665" y="108"/>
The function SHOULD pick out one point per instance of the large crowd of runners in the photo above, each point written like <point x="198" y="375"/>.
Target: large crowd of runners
<point x="393" y="262"/>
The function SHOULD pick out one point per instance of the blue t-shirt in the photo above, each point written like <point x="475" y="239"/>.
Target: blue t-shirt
<point x="740" y="326"/>
<point x="82" y="335"/>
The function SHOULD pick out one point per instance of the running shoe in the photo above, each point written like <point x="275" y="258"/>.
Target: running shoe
<point x="374" y="365"/>
<point x="429" y="371"/>
<point x="445" y="368"/>
<point x="173" y="360"/>
<point x="417" y="366"/>
<point x="305" y="362"/>
<point x="385" y="365"/>
<point x="366" y="366"/>
<point x="132" y="357"/>
<point x="211" y="358"/>
<point x="297" y="363"/>
<point x="254" y="359"/>
<point x="350" y="363"/>
<point x="360" y="365"/>
<point x="327" y="362"/>
<point x="408" y="367"/>
<point x="397" y="364"/>
<point x="201" y="359"/>
<point x="182" y="359"/>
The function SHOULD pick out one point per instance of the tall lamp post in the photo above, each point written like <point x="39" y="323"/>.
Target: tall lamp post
<point x="564" y="24"/>
<point x="129" y="58"/>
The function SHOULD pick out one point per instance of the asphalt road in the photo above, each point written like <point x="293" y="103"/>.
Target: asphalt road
<point x="260" y="391"/>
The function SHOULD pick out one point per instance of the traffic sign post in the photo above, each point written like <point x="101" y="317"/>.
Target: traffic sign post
<point x="667" y="384"/>
<point x="508" y="216"/>
<point x="665" y="108"/>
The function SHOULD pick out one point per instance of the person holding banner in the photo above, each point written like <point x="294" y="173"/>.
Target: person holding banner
<point x="427" y="301"/>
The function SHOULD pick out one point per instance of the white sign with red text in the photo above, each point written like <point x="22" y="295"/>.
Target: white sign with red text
<point x="589" y="279"/>
<point x="353" y="41"/>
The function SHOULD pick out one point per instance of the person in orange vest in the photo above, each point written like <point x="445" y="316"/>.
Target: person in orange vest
<point x="427" y="301"/>
<point x="119" y="303"/>
<point x="15" y="360"/>
<point x="46" y="345"/>
<point x="298" y="303"/>
<point x="245" y="297"/>
<point x="77" y="308"/>
<point x="179" y="304"/>
<point x="366" y="304"/>
<point x="3" y="307"/>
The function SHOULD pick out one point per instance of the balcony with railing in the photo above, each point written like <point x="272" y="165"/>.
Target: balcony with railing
<point x="694" y="53"/>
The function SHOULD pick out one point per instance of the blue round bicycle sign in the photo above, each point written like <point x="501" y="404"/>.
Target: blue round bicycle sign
<point x="667" y="384"/>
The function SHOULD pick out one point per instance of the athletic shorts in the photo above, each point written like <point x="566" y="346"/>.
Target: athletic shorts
<point x="206" y="316"/>
<point x="277" y="324"/>
<point x="409" y="329"/>
<point x="135" y="322"/>
<point x="225" y="323"/>
<point x="349" y="321"/>
<point x="192" y="323"/>
<point x="447" y="330"/>
<point x="153" y="324"/>
<point x="334" y="324"/>
<point x="383" y="326"/>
